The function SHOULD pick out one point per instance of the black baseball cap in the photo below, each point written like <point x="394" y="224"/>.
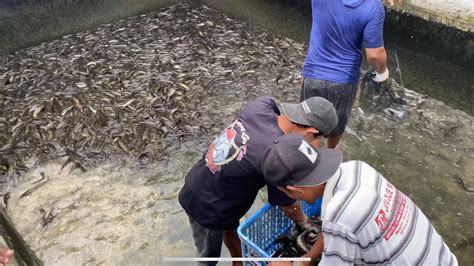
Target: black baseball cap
<point x="314" y="112"/>
<point x="293" y="161"/>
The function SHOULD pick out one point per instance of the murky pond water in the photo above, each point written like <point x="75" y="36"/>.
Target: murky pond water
<point x="125" y="211"/>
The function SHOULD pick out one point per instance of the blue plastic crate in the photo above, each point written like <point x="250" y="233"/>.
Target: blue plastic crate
<point x="259" y="232"/>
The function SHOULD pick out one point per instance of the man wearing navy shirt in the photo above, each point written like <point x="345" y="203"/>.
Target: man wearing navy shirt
<point x="222" y="186"/>
<point x="332" y="66"/>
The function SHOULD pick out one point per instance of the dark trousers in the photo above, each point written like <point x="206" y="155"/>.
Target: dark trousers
<point x="208" y="242"/>
<point x="342" y="96"/>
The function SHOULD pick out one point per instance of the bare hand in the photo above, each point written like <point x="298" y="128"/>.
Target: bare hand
<point x="5" y="255"/>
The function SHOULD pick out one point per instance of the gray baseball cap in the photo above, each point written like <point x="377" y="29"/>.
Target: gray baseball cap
<point x="315" y="112"/>
<point x="293" y="161"/>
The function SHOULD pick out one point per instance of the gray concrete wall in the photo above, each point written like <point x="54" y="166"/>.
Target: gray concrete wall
<point x="463" y="9"/>
<point x="454" y="13"/>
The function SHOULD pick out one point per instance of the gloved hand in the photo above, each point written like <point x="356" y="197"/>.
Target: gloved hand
<point x="382" y="82"/>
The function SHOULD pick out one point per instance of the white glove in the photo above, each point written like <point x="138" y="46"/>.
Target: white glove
<point x="381" y="77"/>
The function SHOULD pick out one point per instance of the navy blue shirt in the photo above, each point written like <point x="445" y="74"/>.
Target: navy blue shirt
<point x="222" y="186"/>
<point x="339" y="28"/>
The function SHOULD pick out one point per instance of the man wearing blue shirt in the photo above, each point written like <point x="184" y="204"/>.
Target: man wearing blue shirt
<point x="332" y="66"/>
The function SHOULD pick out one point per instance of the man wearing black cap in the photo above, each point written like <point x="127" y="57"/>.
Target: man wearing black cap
<point x="366" y="220"/>
<point x="222" y="186"/>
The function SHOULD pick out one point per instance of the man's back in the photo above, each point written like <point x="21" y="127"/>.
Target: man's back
<point x="222" y="186"/>
<point x="369" y="221"/>
<point x="338" y="31"/>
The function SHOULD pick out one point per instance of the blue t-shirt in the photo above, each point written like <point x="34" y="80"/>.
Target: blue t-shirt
<point x="339" y="29"/>
<point x="222" y="186"/>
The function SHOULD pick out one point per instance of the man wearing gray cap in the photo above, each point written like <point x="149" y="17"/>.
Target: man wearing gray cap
<point x="366" y="220"/>
<point x="301" y="114"/>
<point x="222" y="186"/>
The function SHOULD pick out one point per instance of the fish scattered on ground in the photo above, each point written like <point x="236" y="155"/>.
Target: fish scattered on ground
<point x="35" y="185"/>
<point x="393" y="114"/>
<point x="48" y="216"/>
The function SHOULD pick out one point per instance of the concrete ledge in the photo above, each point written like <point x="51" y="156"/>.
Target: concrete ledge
<point x="442" y="38"/>
<point x="461" y="18"/>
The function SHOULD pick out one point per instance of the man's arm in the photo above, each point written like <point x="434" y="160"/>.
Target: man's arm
<point x="317" y="249"/>
<point x="377" y="58"/>
<point x="290" y="207"/>
<point x="294" y="212"/>
<point x="373" y="41"/>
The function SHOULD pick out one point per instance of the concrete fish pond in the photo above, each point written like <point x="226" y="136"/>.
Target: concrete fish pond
<point x="101" y="126"/>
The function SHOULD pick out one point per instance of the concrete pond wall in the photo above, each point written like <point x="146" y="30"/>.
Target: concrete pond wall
<point x="440" y="24"/>
<point x="457" y="9"/>
<point x="458" y="14"/>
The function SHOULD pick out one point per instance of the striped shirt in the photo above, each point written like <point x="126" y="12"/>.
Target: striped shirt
<point x="369" y="221"/>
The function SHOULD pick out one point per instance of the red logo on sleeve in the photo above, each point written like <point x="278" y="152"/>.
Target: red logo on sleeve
<point x="381" y="220"/>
